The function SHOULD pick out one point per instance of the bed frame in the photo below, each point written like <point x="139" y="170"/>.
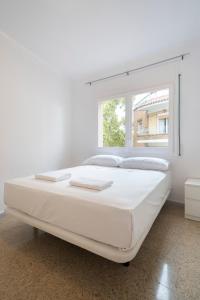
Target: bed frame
<point x="118" y="255"/>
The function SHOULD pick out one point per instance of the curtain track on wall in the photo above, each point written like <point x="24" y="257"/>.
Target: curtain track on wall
<point x="127" y="73"/>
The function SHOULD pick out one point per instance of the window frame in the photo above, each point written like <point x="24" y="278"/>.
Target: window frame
<point x="129" y="147"/>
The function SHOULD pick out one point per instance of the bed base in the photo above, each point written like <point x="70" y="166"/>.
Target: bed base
<point x="127" y="264"/>
<point x="123" y="256"/>
<point x="35" y="232"/>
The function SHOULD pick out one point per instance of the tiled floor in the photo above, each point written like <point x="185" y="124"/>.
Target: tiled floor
<point x="42" y="267"/>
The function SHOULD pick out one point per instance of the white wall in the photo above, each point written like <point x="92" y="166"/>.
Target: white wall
<point x="85" y="109"/>
<point x="35" y="112"/>
<point x="34" y="115"/>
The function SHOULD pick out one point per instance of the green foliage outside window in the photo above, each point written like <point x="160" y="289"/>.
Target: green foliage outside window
<point x="114" y="123"/>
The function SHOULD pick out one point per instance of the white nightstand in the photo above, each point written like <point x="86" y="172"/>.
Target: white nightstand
<point x="192" y="199"/>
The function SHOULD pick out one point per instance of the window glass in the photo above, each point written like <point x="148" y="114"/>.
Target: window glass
<point x="112" y="123"/>
<point x="150" y="118"/>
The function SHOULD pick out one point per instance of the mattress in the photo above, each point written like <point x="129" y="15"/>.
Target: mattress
<point x="117" y="216"/>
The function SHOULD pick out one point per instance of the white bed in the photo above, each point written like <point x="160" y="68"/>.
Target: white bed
<point x="112" y="223"/>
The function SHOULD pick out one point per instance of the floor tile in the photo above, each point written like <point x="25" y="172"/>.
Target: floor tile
<point x="43" y="267"/>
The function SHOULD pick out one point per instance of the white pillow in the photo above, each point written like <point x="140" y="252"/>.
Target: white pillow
<point x="146" y="163"/>
<point x="104" y="160"/>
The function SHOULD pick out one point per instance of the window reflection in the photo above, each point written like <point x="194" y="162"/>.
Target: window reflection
<point x="163" y="292"/>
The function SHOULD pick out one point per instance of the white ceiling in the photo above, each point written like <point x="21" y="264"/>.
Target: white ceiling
<point x="84" y="37"/>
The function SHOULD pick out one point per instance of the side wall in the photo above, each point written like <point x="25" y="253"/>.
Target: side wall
<point x="34" y="115"/>
<point x="85" y="115"/>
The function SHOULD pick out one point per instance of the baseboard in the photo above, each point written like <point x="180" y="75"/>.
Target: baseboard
<point x="192" y="218"/>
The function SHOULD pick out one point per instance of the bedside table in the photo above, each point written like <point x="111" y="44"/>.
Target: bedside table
<point x="192" y="199"/>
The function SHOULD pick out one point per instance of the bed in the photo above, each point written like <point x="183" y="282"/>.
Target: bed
<point x="112" y="223"/>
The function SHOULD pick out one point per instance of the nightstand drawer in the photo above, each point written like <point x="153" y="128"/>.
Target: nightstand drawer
<point x="192" y="192"/>
<point x="192" y="208"/>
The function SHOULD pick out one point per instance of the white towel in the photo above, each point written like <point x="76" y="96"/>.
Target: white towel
<point x="94" y="184"/>
<point x="53" y="176"/>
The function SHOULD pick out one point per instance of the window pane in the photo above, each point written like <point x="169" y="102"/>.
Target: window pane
<point x="150" y="119"/>
<point x="113" y="123"/>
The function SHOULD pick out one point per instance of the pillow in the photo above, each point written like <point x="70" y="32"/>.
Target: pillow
<point x="104" y="160"/>
<point x="146" y="163"/>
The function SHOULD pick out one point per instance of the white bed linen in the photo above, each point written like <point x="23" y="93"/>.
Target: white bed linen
<point x="90" y="183"/>
<point x="53" y="176"/>
<point x="112" y="253"/>
<point x="117" y="216"/>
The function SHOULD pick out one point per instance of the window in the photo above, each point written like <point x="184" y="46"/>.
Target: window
<point x="140" y="127"/>
<point x="151" y="110"/>
<point x="112" y="123"/>
<point x="137" y="120"/>
<point x="163" y="126"/>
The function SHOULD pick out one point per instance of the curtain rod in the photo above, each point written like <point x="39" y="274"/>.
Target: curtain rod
<point x="138" y="69"/>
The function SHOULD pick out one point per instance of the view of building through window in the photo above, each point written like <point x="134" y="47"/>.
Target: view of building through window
<point x="148" y="124"/>
<point x="150" y="115"/>
<point x="113" y="122"/>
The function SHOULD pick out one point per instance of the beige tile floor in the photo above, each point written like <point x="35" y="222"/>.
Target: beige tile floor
<point x="42" y="267"/>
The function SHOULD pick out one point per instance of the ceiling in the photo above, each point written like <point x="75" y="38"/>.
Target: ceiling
<point x="83" y="37"/>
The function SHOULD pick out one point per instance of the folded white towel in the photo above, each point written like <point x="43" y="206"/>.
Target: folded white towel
<point x="94" y="184"/>
<point x="53" y="176"/>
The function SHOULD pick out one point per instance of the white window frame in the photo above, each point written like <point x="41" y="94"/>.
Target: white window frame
<point x="129" y="148"/>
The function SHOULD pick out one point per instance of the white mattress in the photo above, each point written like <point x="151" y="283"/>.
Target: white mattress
<point x="116" y="216"/>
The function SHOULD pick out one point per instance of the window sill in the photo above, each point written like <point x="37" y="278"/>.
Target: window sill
<point x="133" y="151"/>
